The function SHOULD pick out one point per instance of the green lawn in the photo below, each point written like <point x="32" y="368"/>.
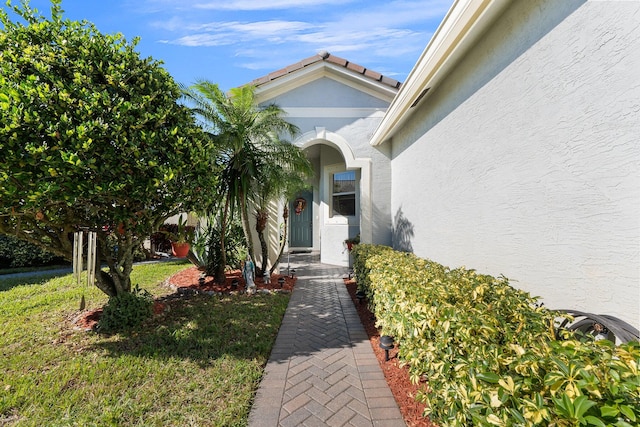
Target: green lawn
<point x="197" y="364"/>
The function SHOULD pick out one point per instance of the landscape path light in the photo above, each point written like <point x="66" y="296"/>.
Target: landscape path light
<point x="386" y="343"/>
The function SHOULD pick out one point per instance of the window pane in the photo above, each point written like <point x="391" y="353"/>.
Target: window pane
<point x="344" y="182"/>
<point x="344" y="204"/>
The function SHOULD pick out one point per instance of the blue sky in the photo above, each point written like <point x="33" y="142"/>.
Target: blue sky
<point x="232" y="42"/>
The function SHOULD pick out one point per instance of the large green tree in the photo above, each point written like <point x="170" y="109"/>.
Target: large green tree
<point x="252" y="155"/>
<point x="91" y="137"/>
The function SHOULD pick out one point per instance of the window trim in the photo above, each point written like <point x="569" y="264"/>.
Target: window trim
<point x="344" y="193"/>
<point x="330" y="217"/>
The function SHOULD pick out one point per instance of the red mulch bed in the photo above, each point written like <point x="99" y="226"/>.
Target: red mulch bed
<point x="397" y="377"/>
<point x="189" y="278"/>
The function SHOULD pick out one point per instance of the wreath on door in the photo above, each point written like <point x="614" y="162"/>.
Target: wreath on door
<point x="299" y="204"/>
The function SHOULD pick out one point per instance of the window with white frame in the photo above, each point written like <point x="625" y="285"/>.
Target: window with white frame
<point x="343" y="194"/>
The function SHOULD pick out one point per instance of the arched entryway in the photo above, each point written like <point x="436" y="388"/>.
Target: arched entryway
<point x="340" y="199"/>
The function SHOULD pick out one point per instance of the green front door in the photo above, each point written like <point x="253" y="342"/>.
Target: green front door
<point x="301" y="220"/>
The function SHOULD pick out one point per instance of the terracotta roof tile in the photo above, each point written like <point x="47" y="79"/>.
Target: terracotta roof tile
<point x="293" y="67"/>
<point x="355" y="67"/>
<point x="279" y="73"/>
<point x="326" y="56"/>
<point x="373" y="74"/>
<point x="261" y="80"/>
<point x="308" y="61"/>
<point x="336" y="60"/>
<point x="391" y="82"/>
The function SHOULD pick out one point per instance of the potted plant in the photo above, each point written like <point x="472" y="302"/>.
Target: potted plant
<point x="352" y="241"/>
<point x="181" y="236"/>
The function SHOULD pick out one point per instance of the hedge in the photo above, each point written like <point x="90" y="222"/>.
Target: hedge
<point x="18" y="253"/>
<point x="489" y="354"/>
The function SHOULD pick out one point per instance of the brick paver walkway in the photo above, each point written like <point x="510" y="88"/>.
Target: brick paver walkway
<point x="322" y="370"/>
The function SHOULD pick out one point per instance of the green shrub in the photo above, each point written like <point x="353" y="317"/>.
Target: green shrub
<point x="489" y="355"/>
<point x="361" y="254"/>
<point x="18" y="253"/>
<point x="126" y="311"/>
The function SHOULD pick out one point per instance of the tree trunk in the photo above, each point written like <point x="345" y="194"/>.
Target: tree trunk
<point x="117" y="280"/>
<point x="220" y="276"/>
<point x="246" y="228"/>
<point x="261" y="224"/>
<point x="283" y="243"/>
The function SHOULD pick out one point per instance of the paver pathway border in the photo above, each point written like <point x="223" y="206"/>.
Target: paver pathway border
<point x="322" y="370"/>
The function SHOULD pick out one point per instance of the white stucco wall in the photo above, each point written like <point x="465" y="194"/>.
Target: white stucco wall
<point x="526" y="160"/>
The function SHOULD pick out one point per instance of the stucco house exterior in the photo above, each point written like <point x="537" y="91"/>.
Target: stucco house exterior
<point x="512" y="148"/>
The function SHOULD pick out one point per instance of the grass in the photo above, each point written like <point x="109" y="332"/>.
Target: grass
<point x="198" y="363"/>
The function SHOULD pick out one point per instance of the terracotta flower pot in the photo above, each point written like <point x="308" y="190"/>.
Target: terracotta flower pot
<point x="180" y="250"/>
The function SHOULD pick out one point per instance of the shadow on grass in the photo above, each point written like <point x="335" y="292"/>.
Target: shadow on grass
<point x="10" y="281"/>
<point x="203" y="328"/>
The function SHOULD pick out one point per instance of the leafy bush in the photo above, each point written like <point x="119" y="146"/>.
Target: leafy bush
<point x="18" y="253"/>
<point x="206" y="249"/>
<point x="126" y="311"/>
<point x="361" y="254"/>
<point x="489" y="355"/>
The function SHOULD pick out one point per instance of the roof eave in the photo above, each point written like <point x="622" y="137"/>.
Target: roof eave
<point x="286" y="82"/>
<point x="464" y="23"/>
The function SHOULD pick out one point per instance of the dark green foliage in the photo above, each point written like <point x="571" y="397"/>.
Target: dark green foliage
<point x="91" y="137"/>
<point x="126" y="311"/>
<point x="18" y="253"/>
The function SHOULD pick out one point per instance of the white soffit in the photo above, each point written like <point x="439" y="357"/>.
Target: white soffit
<point x="334" y="112"/>
<point x="460" y="29"/>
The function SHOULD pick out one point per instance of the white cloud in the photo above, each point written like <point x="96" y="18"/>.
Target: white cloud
<point x="257" y="30"/>
<point x="330" y="36"/>
<point x="268" y="32"/>
<point x="265" y="4"/>
<point x="227" y="33"/>
<point x="371" y="32"/>
<point x="202" y="40"/>
<point x="400" y="13"/>
<point x="172" y="25"/>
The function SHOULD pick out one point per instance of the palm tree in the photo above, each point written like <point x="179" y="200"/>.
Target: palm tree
<point x="284" y="176"/>
<point x="248" y="141"/>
